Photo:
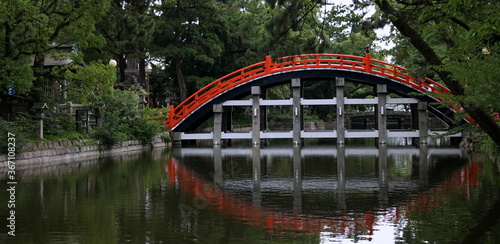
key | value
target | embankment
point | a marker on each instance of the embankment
(49, 152)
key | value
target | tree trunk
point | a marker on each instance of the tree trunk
(38, 68)
(142, 73)
(122, 66)
(180, 79)
(7, 47)
(482, 117)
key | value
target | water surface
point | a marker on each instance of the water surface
(273, 194)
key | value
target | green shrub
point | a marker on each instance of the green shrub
(125, 118)
(69, 135)
(148, 125)
(20, 137)
(59, 124)
(166, 137)
(26, 124)
(108, 137)
(112, 129)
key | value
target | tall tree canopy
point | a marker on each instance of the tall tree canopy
(197, 41)
(31, 30)
(127, 28)
(459, 40)
(187, 30)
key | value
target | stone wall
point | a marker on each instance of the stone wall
(48, 152)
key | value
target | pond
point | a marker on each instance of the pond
(260, 194)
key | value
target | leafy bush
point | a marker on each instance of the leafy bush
(20, 137)
(59, 124)
(148, 125)
(86, 82)
(26, 124)
(111, 130)
(125, 118)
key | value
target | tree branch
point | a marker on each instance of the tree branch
(460, 23)
(482, 118)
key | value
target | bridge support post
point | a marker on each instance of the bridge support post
(381, 115)
(256, 115)
(340, 83)
(218, 110)
(297, 111)
(222, 122)
(422, 122)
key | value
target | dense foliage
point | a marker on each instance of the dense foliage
(459, 42)
(125, 118)
(31, 30)
(190, 43)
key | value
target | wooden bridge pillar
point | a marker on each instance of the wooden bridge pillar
(222, 122)
(218, 110)
(419, 122)
(339, 83)
(298, 123)
(422, 122)
(256, 91)
(382, 114)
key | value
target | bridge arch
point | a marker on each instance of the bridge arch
(198, 107)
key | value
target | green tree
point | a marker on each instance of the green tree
(28, 27)
(125, 118)
(127, 28)
(96, 79)
(186, 30)
(202, 41)
(16, 29)
(295, 28)
(451, 35)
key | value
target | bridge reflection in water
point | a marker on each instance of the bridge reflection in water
(237, 194)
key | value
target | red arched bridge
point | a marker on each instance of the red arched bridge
(208, 101)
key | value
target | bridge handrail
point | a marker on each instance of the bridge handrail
(297, 62)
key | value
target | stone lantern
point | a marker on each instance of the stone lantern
(40, 109)
(97, 113)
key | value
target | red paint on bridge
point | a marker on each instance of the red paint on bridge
(301, 62)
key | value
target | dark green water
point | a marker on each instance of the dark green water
(275, 194)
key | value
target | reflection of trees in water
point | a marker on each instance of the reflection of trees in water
(140, 196)
(80, 166)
